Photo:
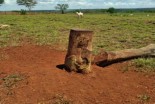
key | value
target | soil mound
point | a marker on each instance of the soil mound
(32, 75)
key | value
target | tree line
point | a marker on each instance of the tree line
(62, 7)
(31, 3)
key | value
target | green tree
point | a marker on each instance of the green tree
(111, 10)
(1, 2)
(28, 3)
(62, 7)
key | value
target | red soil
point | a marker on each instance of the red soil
(45, 81)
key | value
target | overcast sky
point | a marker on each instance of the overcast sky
(82, 4)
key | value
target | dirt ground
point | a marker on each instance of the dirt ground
(42, 81)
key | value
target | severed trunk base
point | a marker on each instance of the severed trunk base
(79, 53)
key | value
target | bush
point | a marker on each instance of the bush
(23, 12)
(111, 10)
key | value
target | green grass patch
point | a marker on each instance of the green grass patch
(112, 32)
(61, 99)
(144, 98)
(11, 80)
(144, 64)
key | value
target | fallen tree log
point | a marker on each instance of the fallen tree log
(106, 58)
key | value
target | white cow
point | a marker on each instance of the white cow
(80, 14)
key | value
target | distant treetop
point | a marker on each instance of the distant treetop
(28, 3)
(111, 10)
(62, 7)
(1, 2)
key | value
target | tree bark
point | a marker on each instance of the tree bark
(79, 53)
(105, 58)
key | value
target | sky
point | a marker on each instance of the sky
(81, 4)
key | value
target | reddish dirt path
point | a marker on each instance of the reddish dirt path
(45, 81)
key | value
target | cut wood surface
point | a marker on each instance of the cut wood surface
(105, 58)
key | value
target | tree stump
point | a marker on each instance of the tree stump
(79, 53)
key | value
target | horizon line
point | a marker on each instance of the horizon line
(80, 9)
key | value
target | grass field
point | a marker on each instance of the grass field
(112, 32)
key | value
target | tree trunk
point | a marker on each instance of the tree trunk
(105, 58)
(79, 53)
(62, 11)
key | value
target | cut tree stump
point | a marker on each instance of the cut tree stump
(105, 58)
(79, 53)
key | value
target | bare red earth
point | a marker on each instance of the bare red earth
(45, 81)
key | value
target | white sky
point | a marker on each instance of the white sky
(81, 4)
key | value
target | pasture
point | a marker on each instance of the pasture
(34, 45)
(112, 32)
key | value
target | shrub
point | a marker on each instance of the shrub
(23, 12)
(111, 10)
